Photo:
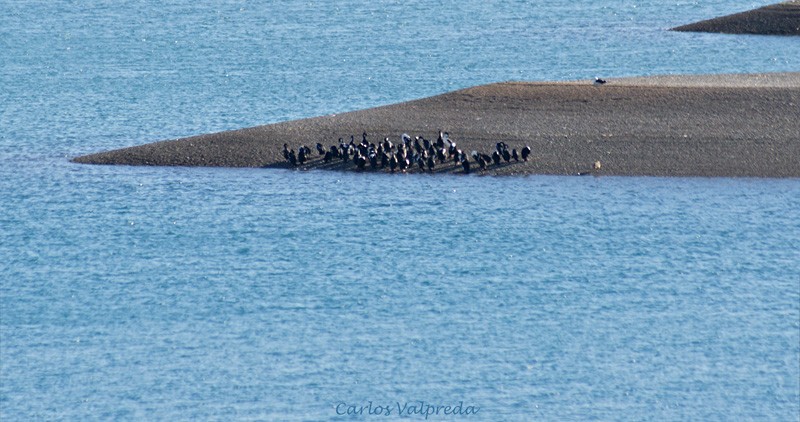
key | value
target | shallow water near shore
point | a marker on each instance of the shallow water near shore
(205, 293)
(192, 293)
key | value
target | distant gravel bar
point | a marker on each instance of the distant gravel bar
(777, 19)
(741, 125)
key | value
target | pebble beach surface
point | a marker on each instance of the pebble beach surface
(740, 125)
(776, 19)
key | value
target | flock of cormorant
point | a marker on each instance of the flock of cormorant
(407, 153)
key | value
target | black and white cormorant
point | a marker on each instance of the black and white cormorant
(526, 152)
(496, 157)
(373, 160)
(481, 162)
(361, 161)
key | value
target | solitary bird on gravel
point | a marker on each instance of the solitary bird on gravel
(598, 82)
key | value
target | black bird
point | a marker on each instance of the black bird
(402, 161)
(286, 151)
(506, 155)
(440, 155)
(393, 163)
(345, 153)
(384, 159)
(432, 151)
(361, 161)
(526, 152)
(426, 143)
(373, 160)
(292, 158)
(417, 146)
(451, 150)
(481, 162)
(334, 151)
(328, 157)
(496, 157)
(421, 163)
(431, 164)
(500, 146)
(320, 149)
(465, 164)
(514, 155)
(301, 155)
(598, 81)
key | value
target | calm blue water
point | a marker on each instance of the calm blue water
(197, 294)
